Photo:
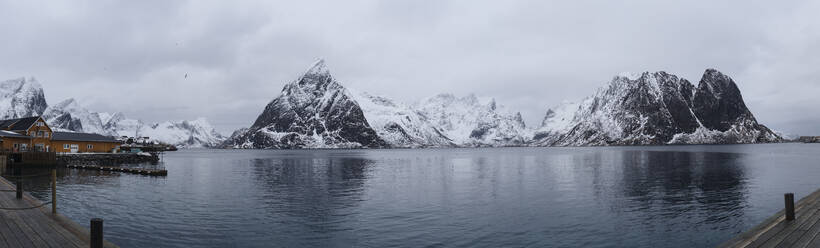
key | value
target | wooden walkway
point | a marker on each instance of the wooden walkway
(803, 231)
(35, 227)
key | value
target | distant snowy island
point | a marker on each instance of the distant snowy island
(316, 111)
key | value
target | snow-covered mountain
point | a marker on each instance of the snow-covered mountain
(315, 111)
(69, 115)
(196, 133)
(398, 124)
(470, 121)
(120, 125)
(22, 97)
(655, 108)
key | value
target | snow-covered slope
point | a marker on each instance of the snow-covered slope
(196, 133)
(315, 111)
(119, 125)
(398, 124)
(655, 108)
(20, 98)
(69, 115)
(470, 121)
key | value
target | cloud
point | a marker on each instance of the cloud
(131, 56)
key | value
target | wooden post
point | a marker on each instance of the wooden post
(54, 191)
(96, 233)
(789, 198)
(18, 171)
(19, 188)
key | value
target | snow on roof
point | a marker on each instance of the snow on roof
(4, 133)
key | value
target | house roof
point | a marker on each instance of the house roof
(18, 124)
(10, 134)
(68, 136)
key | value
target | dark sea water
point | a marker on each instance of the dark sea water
(670, 196)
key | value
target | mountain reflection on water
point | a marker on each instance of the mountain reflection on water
(671, 196)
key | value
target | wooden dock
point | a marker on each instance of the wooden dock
(776, 231)
(36, 227)
(148, 172)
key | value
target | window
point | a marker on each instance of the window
(89, 146)
(65, 146)
(41, 134)
(40, 124)
(24, 147)
(16, 146)
(47, 134)
(75, 146)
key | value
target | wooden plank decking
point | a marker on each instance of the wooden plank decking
(776, 231)
(36, 227)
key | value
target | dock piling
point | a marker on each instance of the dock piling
(96, 233)
(19, 173)
(19, 188)
(54, 191)
(789, 199)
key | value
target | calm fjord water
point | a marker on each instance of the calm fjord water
(670, 196)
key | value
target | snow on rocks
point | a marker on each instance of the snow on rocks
(656, 108)
(22, 97)
(314, 111)
(471, 121)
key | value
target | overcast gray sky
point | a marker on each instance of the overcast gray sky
(131, 56)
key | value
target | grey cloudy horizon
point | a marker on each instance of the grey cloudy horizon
(132, 56)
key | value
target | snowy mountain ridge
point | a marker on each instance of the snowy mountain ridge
(24, 97)
(653, 109)
(317, 111)
(68, 115)
(399, 124)
(314, 111)
(21, 97)
(471, 121)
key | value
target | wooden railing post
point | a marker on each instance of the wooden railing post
(19, 188)
(54, 191)
(96, 233)
(789, 199)
(19, 173)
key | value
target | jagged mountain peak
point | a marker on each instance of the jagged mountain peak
(69, 115)
(318, 67)
(656, 108)
(21, 97)
(186, 133)
(719, 102)
(312, 84)
(655, 80)
(318, 74)
(473, 121)
(717, 83)
(313, 111)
